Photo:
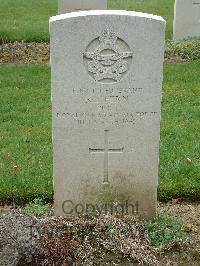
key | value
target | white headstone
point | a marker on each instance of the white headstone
(106, 101)
(186, 19)
(65, 6)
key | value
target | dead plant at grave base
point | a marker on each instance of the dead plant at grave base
(86, 240)
(58, 241)
(54, 250)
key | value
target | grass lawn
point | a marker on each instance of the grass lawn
(28, 19)
(25, 133)
(180, 127)
(164, 8)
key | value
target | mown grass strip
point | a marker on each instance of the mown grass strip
(25, 133)
(28, 20)
(180, 127)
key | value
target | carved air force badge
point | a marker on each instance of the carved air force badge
(108, 58)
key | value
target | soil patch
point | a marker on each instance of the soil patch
(24, 53)
(23, 235)
(189, 215)
(39, 53)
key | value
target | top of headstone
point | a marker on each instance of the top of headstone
(105, 12)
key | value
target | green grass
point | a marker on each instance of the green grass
(28, 19)
(164, 8)
(25, 133)
(163, 230)
(180, 129)
(37, 206)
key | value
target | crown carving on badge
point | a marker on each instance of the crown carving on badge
(108, 36)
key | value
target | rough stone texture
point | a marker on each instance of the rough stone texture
(186, 19)
(46, 240)
(106, 101)
(17, 237)
(65, 6)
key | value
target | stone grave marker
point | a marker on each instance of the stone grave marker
(186, 19)
(106, 71)
(65, 6)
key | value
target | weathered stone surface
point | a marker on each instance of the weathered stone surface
(186, 19)
(106, 102)
(18, 233)
(65, 6)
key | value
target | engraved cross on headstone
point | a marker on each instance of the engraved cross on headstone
(196, 3)
(106, 152)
